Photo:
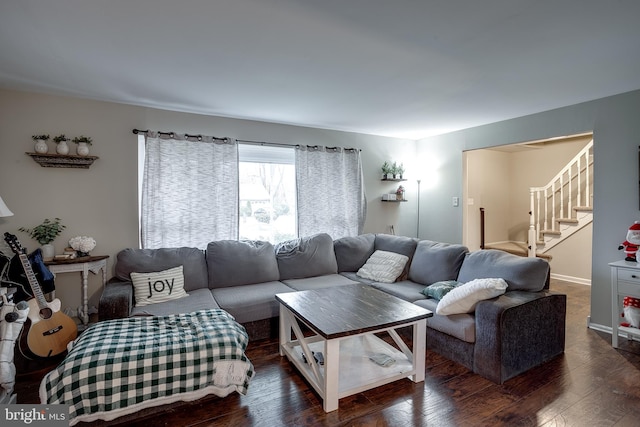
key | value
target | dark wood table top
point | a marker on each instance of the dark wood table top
(76, 260)
(350, 309)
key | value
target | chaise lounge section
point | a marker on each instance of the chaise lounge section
(500, 338)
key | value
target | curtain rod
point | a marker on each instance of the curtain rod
(245, 141)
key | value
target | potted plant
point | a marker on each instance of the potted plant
(386, 170)
(83, 144)
(45, 234)
(394, 170)
(61, 144)
(400, 170)
(41, 143)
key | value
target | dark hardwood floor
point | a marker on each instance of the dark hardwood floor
(592, 384)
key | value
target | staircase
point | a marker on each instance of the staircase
(563, 206)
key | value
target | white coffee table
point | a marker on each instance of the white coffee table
(343, 321)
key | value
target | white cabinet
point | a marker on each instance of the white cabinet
(625, 281)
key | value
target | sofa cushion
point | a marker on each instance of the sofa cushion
(406, 289)
(383, 266)
(151, 260)
(306, 257)
(434, 262)
(461, 326)
(197, 299)
(249, 303)
(318, 282)
(243, 262)
(438, 290)
(521, 274)
(398, 244)
(353, 251)
(464, 298)
(161, 286)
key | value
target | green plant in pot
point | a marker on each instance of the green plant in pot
(386, 169)
(45, 234)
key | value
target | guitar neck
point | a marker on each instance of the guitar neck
(33, 281)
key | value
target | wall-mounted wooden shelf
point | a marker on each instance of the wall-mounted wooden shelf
(393, 179)
(47, 160)
(396, 201)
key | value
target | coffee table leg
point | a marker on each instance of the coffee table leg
(331, 374)
(285, 329)
(419, 349)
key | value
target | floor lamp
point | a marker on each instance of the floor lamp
(418, 222)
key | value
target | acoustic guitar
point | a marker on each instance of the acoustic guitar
(48, 329)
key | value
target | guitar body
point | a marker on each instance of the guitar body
(48, 329)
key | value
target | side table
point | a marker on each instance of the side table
(625, 281)
(84, 265)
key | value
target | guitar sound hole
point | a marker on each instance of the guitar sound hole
(46, 313)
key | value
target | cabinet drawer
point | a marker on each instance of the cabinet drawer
(629, 275)
(629, 288)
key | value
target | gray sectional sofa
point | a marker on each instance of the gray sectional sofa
(504, 337)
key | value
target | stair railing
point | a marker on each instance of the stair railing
(570, 188)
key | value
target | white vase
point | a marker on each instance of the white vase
(62, 148)
(83, 149)
(41, 146)
(48, 251)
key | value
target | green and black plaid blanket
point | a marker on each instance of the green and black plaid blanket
(120, 366)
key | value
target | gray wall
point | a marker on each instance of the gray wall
(614, 122)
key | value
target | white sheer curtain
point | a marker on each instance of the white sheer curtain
(331, 196)
(189, 191)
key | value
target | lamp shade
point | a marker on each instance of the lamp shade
(4, 210)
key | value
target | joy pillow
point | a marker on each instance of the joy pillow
(162, 286)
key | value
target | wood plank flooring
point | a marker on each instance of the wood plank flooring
(592, 384)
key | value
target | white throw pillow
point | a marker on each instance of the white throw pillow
(464, 298)
(152, 288)
(383, 266)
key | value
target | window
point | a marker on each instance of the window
(267, 183)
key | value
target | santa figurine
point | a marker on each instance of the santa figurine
(631, 312)
(632, 243)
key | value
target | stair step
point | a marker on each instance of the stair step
(515, 248)
(583, 208)
(552, 232)
(567, 220)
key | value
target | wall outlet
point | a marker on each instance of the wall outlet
(456, 202)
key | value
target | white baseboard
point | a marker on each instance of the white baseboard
(608, 330)
(578, 280)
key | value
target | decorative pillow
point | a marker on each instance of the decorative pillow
(438, 290)
(383, 266)
(464, 298)
(152, 288)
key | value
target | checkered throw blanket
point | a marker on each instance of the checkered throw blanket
(120, 366)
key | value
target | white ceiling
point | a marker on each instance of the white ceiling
(400, 68)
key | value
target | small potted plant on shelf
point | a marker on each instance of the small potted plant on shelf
(386, 170)
(83, 144)
(61, 144)
(400, 170)
(394, 169)
(40, 146)
(45, 234)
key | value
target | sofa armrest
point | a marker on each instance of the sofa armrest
(116, 300)
(518, 331)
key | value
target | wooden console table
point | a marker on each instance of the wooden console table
(84, 265)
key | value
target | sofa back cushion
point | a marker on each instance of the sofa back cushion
(243, 262)
(520, 273)
(436, 262)
(399, 244)
(154, 260)
(353, 252)
(306, 257)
